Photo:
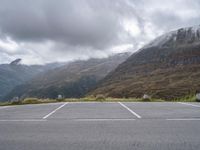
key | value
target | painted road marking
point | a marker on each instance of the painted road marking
(189, 104)
(23, 120)
(103, 119)
(184, 119)
(3, 107)
(131, 111)
(51, 113)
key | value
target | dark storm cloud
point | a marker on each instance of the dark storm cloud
(79, 22)
(71, 29)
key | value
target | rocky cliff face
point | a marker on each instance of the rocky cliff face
(168, 67)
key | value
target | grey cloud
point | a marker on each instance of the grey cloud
(86, 28)
(79, 22)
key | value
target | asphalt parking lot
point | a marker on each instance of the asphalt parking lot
(101, 126)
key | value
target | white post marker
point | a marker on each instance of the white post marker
(131, 111)
(45, 117)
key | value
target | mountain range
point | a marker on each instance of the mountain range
(168, 68)
(74, 79)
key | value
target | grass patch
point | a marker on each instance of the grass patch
(31, 101)
(189, 98)
(111, 99)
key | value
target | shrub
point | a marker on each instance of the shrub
(31, 101)
(89, 98)
(100, 97)
(16, 103)
(60, 100)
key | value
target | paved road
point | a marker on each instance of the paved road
(101, 126)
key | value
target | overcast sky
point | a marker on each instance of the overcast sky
(43, 31)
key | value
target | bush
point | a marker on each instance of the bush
(16, 103)
(31, 101)
(60, 100)
(100, 97)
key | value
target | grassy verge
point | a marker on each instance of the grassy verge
(94, 99)
(110, 99)
(29, 101)
(189, 98)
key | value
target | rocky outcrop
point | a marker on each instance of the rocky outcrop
(16, 62)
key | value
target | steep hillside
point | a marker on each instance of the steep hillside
(14, 74)
(72, 80)
(168, 67)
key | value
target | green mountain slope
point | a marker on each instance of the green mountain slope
(168, 67)
(72, 80)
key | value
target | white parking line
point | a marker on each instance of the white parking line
(104, 119)
(45, 117)
(184, 119)
(3, 107)
(92, 102)
(23, 120)
(131, 111)
(189, 104)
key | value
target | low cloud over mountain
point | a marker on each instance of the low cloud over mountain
(42, 31)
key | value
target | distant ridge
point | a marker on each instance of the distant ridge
(14, 74)
(168, 67)
(74, 79)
